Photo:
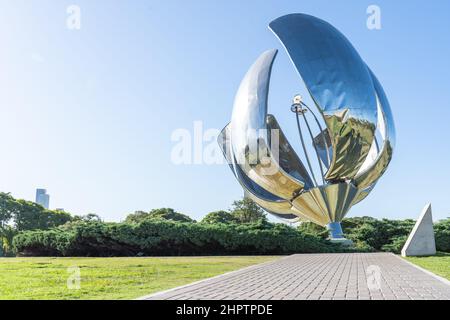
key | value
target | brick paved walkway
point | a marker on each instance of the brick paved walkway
(319, 276)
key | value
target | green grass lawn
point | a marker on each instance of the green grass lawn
(108, 278)
(439, 264)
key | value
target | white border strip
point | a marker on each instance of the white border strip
(441, 279)
(154, 295)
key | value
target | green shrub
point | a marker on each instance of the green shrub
(370, 234)
(219, 217)
(396, 245)
(375, 233)
(442, 231)
(313, 229)
(159, 237)
(151, 236)
(162, 213)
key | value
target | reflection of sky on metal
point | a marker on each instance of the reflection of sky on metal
(250, 108)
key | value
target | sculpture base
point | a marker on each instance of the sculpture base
(337, 236)
(335, 230)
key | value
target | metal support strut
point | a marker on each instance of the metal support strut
(297, 109)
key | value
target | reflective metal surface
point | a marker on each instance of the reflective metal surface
(288, 159)
(281, 208)
(251, 141)
(323, 146)
(335, 230)
(326, 204)
(339, 84)
(387, 128)
(352, 105)
(247, 184)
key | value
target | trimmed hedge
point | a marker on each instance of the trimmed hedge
(369, 234)
(442, 231)
(391, 235)
(378, 235)
(167, 238)
(157, 237)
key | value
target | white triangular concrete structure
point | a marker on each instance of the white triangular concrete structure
(421, 241)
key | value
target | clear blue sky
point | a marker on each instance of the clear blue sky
(89, 114)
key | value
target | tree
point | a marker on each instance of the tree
(20, 215)
(6, 213)
(247, 211)
(137, 216)
(219, 217)
(7, 208)
(442, 230)
(32, 216)
(7, 234)
(377, 234)
(163, 213)
(90, 217)
(27, 215)
(314, 229)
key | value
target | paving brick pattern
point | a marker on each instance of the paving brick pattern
(351, 276)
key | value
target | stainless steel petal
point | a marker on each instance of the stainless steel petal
(339, 84)
(247, 184)
(288, 159)
(274, 205)
(224, 144)
(248, 120)
(250, 138)
(362, 194)
(339, 198)
(322, 141)
(371, 175)
(326, 204)
(371, 157)
(308, 206)
(280, 209)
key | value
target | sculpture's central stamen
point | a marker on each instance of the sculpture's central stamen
(297, 105)
(300, 108)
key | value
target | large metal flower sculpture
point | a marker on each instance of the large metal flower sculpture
(356, 133)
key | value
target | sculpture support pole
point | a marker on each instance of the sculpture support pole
(336, 234)
(335, 230)
(304, 147)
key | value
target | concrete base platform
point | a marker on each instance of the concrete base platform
(353, 276)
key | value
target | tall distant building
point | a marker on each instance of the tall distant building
(42, 198)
